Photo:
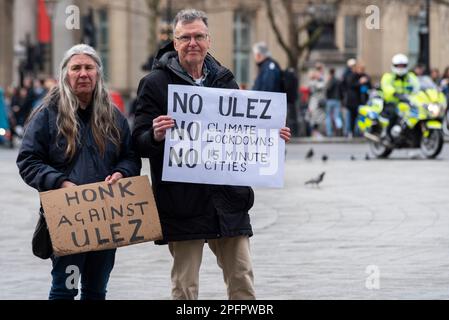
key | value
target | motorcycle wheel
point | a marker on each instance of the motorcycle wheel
(379, 150)
(432, 145)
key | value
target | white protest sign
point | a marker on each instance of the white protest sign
(225, 136)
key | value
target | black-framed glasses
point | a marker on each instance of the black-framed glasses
(198, 38)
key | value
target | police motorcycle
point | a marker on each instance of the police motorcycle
(419, 124)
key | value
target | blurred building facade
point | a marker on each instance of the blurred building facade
(6, 42)
(121, 32)
(351, 33)
(117, 29)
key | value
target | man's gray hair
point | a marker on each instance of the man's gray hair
(188, 16)
(262, 49)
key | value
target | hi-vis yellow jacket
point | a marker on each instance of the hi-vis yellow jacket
(391, 84)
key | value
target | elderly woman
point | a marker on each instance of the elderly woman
(76, 137)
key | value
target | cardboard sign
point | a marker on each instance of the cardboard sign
(99, 216)
(225, 136)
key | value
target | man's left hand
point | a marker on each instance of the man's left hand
(285, 134)
(111, 179)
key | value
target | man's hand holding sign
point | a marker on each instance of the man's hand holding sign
(160, 126)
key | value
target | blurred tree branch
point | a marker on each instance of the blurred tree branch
(443, 2)
(154, 12)
(292, 44)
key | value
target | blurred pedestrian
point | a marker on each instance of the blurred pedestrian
(435, 75)
(365, 83)
(444, 82)
(8, 95)
(165, 36)
(4, 121)
(334, 96)
(40, 91)
(419, 70)
(269, 76)
(424, 78)
(347, 74)
(317, 101)
(21, 106)
(358, 85)
(77, 137)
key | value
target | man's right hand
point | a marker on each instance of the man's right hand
(160, 125)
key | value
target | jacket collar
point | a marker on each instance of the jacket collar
(264, 61)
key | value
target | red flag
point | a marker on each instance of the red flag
(43, 23)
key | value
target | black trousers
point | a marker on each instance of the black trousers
(390, 112)
(354, 112)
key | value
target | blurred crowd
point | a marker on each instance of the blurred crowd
(329, 103)
(16, 103)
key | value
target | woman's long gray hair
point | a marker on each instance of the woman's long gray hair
(103, 119)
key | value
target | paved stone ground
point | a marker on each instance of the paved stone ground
(310, 243)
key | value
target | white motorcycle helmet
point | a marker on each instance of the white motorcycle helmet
(399, 64)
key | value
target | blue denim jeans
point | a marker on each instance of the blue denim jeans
(333, 111)
(94, 269)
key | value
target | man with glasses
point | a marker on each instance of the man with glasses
(396, 86)
(193, 214)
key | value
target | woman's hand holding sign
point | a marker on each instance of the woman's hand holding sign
(67, 184)
(111, 179)
(160, 125)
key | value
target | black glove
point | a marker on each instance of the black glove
(402, 97)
